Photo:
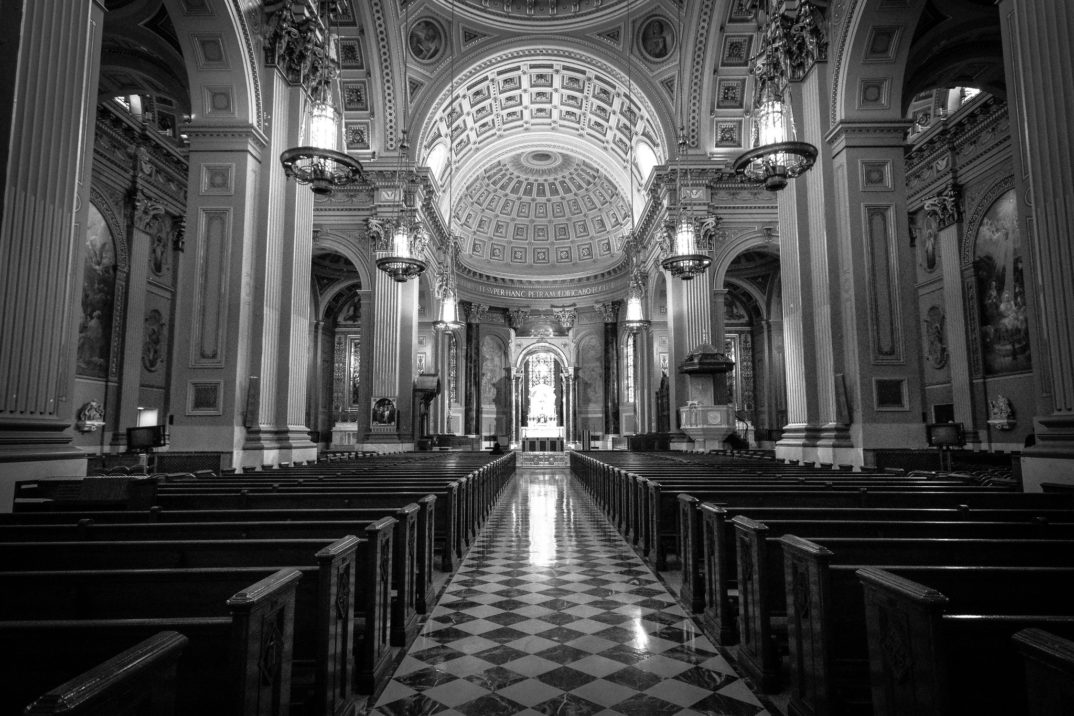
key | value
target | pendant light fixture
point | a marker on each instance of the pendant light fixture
(776, 156)
(319, 163)
(636, 318)
(686, 237)
(446, 287)
(401, 241)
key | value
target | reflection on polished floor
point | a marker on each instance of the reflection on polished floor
(552, 613)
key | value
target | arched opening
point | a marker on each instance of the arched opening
(338, 377)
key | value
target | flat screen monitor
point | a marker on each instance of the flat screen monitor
(145, 437)
(945, 435)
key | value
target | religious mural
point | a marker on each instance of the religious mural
(590, 374)
(998, 268)
(98, 298)
(495, 389)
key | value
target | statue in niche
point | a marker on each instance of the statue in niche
(935, 337)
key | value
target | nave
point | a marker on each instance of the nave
(552, 612)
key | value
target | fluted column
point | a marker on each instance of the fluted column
(472, 391)
(516, 415)
(817, 426)
(392, 355)
(643, 372)
(1041, 90)
(689, 326)
(610, 312)
(281, 287)
(50, 51)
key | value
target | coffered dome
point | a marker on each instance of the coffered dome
(541, 211)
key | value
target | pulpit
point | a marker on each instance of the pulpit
(707, 418)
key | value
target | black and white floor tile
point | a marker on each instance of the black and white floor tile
(552, 613)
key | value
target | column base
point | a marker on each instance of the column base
(1052, 458)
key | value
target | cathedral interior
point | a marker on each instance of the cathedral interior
(167, 262)
(537, 357)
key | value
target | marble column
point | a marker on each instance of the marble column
(689, 326)
(394, 326)
(1041, 93)
(50, 52)
(281, 289)
(610, 312)
(472, 391)
(816, 428)
(643, 372)
(516, 409)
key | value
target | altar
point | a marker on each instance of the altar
(542, 438)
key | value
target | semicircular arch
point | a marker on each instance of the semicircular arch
(762, 239)
(221, 62)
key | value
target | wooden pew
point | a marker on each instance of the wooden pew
(373, 566)
(945, 646)
(323, 660)
(237, 664)
(137, 681)
(446, 530)
(295, 522)
(710, 562)
(1049, 671)
(765, 558)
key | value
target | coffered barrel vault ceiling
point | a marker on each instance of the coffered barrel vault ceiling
(542, 150)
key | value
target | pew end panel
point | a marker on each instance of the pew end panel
(424, 596)
(263, 630)
(373, 654)
(720, 575)
(690, 554)
(756, 650)
(404, 558)
(1049, 670)
(903, 620)
(140, 680)
(336, 626)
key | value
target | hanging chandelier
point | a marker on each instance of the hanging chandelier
(685, 243)
(448, 319)
(687, 240)
(398, 244)
(636, 318)
(319, 163)
(776, 156)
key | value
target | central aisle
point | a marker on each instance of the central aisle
(552, 613)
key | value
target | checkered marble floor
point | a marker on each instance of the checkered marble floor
(552, 613)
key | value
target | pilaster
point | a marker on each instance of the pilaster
(955, 312)
(879, 329)
(215, 393)
(48, 149)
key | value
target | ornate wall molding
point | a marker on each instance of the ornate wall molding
(945, 206)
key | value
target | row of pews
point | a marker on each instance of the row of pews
(860, 592)
(274, 593)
